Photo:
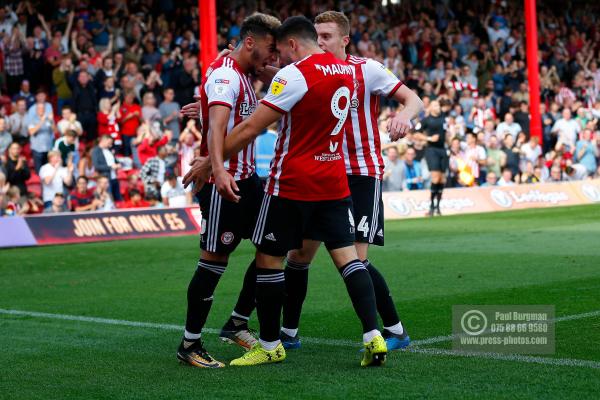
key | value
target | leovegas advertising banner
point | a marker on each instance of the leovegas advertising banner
(116, 225)
(412, 204)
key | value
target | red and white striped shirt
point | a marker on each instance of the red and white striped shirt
(227, 85)
(314, 96)
(362, 147)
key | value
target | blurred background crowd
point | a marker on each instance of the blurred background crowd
(90, 94)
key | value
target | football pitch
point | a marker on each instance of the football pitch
(103, 321)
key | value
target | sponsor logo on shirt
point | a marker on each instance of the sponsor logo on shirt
(246, 109)
(277, 86)
(223, 81)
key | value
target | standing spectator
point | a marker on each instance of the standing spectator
(495, 157)
(393, 175)
(14, 46)
(66, 145)
(414, 177)
(586, 151)
(153, 172)
(512, 156)
(172, 192)
(5, 136)
(60, 78)
(149, 142)
(54, 178)
(107, 123)
(85, 167)
(475, 156)
(82, 198)
(85, 104)
(530, 152)
(566, 129)
(186, 81)
(508, 126)
(150, 113)
(17, 171)
(106, 165)
(129, 121)
(169, 111)
(69, 122)
(40, 98)
(25, 93)
(522, 116)
(41, 130)
(18, 123)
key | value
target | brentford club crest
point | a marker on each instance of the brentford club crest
(227, 238)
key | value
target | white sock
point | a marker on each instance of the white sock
(191, 336)
(269, 345)
(398, 329)
(239, 316)
(290, 332)
(368, 336)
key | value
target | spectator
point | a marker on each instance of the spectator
(530, 152)
(5, 136)
(153, 172)
(186, 81)
(40, 99)
(172, 192)
(66, 145)
(150, 113)
(14, 47)
(149, 141)
(509, 126)
(566, 129)
(133, 182)
(393, 175)
(102, 195)
(107, 123)
(496, 158)
(507, 178)
(512, 155)
(41, 130)
(85, 104)
(135, 200)
(106, 165)
(60, 78)
(13, 204)
(17, 171)
(475, 156)
(57, 205)
(69, 122)
(576, 172)
(491, 179)
(54, 178)
(586, 152)
(18, 123)
(85, 166)
(265, 150)
(129, 121)
(82, 198)
(555, 174)
(414, 178)
(169, 111)
(25, 93)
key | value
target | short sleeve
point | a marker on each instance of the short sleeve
(287, 88)
(222, 87)
(380, 80)
(45, 171)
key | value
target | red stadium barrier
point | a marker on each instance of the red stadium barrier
(46, 229)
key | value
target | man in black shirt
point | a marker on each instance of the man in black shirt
(85, 104)
(17, 171)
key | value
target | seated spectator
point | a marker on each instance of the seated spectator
(102, 195)
(4, 187)
(491, 179)
(57, 205)
(82, 198)
(106, 165)
(133, 182)
(17, 170)
(413, 178)
(153, 172)
(169, 112)
(148, 142)
(135, 200)
(172, 192)
(393, 175)
(18, 123)
(85, 166)
(33, 205)
(55, 177)
(153, 201)
(529, 175)
(575, 172)
(507, 178)
(13, 204)
(5, 136)
(66, 145)
(555, 174)
(41, 131)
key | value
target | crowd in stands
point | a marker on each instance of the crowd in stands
(90, 94)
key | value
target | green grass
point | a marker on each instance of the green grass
(529, 257)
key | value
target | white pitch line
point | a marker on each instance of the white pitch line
(341, 342)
